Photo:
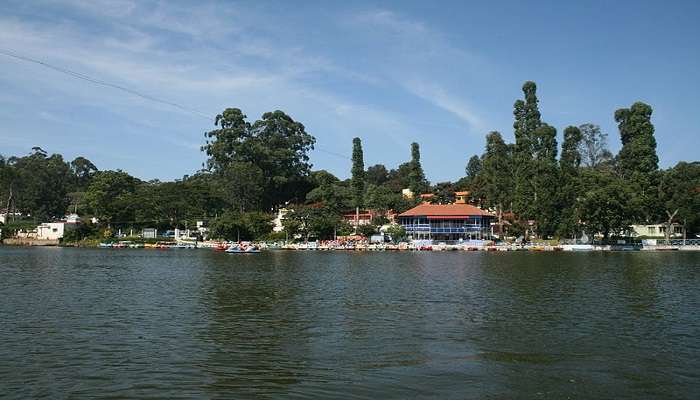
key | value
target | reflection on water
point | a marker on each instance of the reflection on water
(198, 324)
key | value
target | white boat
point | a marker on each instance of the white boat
(236, 249)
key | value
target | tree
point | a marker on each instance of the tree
(110, 196)
(396, 233)
(637, 160)
(473, 167)
(443, 193)
(312, 222)
(417, 181)
(39, 184)
(545, 180)
(383, 198)
(594, 146)
(400, 178)
(569, 164)
(358, 173)
(243, 185)
(366, 230)
(276, 144)
(228, 143)
(376, 175)
(495, 175)
(679, 193)
(527, 120)
(608, 204)
(332, 194)
(83, 170)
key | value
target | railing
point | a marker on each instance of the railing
(679, 242)
(428, 228)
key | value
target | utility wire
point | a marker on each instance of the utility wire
(101, 82)
(97, 81)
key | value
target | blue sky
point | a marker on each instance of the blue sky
(389, 72)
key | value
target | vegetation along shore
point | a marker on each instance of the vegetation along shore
(258, 184)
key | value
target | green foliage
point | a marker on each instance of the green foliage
(528, 142)
(233, 225)
(495, 177)
(637, 159)
(377, 175)
(679, 194)
(83, 171)
(366, 230)
(417, 181)
(383, 198)
(331, 194)
(37, 184)
(594, 146)
(396, 232)
(276, 145)
(443, 193)
(80, 232)
(110, 196)
(545, 180)
(313, 222)
(473, 167)
(608, 204)
(358, 173)
(242, 184)
(569, 184)
(380, 220)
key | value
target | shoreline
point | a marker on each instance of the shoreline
(401, 247)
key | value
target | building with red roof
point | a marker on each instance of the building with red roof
(446, 222)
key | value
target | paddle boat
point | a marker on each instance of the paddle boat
(243, 249)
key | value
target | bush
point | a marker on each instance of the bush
(366, 230)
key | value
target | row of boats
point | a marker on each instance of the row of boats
(235, 248)
(158, 245)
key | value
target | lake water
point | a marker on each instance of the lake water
(82, 323)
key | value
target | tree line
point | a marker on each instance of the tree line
(586, 188)
(254, 168)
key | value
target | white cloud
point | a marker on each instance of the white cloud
(440, 98)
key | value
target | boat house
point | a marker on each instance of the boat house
(446, 222)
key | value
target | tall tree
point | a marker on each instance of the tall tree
(637, 160)
(358, 173)
(569, 164)
(275, 144)
(594, 146)
(545, 180)
(418, 182)
(527, 121)
(496, 177)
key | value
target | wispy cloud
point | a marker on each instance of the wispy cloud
(439, 97)
(418, 59)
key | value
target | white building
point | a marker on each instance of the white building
(657, 230)
(278, 222)
(56, 230)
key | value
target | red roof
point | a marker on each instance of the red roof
(452, 210)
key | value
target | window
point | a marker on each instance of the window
(652, 230)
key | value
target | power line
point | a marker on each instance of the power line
(97, 81)
(101, 82)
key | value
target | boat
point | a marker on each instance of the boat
(239, 249)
